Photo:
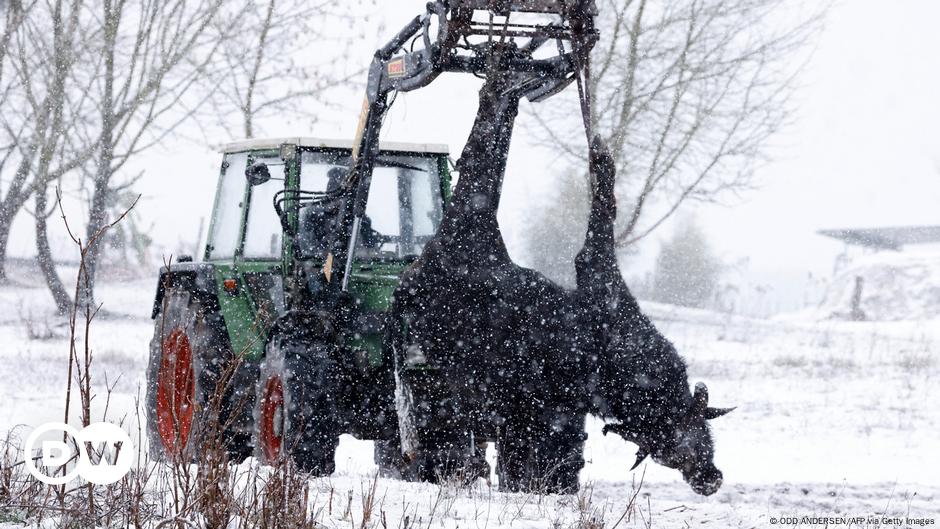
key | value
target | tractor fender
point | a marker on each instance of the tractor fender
(196, 278)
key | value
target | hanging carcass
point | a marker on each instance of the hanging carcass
(486, 349)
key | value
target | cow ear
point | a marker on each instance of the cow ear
(700, 397)
(714, 413)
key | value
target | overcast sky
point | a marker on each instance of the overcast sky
(863, 150)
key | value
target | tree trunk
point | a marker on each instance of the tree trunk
(249, 126)
(52, 110)
(249, 108)
(45, 260)
(96, 220)
(98, 213)
(17, 193)
(5, 225)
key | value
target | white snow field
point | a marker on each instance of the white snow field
(834, 419)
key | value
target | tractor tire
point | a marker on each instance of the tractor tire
(188, 352)
(542, 456)
(295, 412)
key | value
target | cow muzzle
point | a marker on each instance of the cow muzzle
(705, 481)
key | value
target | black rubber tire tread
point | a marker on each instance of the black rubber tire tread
(210, 350)
(311, 424)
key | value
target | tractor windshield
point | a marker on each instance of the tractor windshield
(403, 210)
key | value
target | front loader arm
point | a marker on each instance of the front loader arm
(387, 73)
(452, 51)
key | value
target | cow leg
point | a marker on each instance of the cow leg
(442, 301)
(435, 429)
(434, 442)
(541, 452)
(596, 263)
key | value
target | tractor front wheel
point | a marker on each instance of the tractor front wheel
(295, 411)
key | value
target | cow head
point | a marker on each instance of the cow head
(682, 442)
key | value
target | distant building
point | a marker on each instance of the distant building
(881, 285)
(886, 238)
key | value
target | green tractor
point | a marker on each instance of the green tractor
(264, 226)
(307, 242)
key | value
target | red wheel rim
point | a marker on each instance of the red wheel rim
(272, 418)
(176, 391)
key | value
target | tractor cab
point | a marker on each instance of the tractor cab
(252, 247)
(405, 204)
(225, 306)
(404, 207)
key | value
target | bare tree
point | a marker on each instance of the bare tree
(564, 211)
(34, 103)
(686, 93)
(96, 83)
(284, 57)
(43, 61)
(100, 82)
(15, 123)
(687, 272)
(150, 57)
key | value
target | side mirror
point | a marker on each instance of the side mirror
(257, 173)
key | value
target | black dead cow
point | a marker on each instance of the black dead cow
(486, 348)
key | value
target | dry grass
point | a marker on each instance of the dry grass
(211, 493)
(790, 361)
(916, 360)
(197, 487)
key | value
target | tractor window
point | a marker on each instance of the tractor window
(263, 230)
(403, 210)
(404, 207)
(319, 171)
(315, 168)
(228, 208)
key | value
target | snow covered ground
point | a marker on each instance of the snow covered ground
(833, 419)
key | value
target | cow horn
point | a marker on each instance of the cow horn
(622, 431)
(618, 429)
(640, 456)
(714, 413)
(700, 397)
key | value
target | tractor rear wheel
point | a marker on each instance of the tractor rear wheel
(295, 411)
(188, 353)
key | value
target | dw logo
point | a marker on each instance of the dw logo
(105, 453)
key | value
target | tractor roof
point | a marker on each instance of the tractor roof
(274, 143)
(886, 238)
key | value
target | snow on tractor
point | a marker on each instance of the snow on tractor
(344, 290)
